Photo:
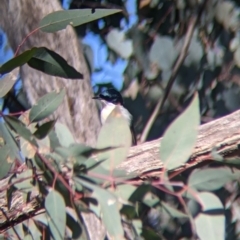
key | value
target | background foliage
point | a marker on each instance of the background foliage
(135, 51)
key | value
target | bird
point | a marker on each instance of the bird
(110, 98)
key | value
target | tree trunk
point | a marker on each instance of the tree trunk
(78, 111)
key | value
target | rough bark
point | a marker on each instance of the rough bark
(223, 135)
(78, 111)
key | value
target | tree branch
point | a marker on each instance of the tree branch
(222, 134)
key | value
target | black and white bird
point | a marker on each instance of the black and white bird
(111, 98)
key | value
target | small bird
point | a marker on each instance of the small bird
(110, 98)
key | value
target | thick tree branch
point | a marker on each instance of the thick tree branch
(222, 134)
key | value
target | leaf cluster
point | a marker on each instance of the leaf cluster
(72, 178)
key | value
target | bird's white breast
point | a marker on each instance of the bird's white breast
(108, 108)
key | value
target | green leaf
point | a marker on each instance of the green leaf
(173, 211)
(7, 82)
(212, 178)
(17, 233)
(32, 228)
(20, 129)
(59, 20)
(25, 185)
(210, 226)
(46, 105)
(29, 237)
(51, 63)
(5, 161)
(55, 207)
(17, 61)
(180, 137)
(6, 136)
(124, 191)
(109, 209)
(44, 129)
(64, 136)
(114, 133)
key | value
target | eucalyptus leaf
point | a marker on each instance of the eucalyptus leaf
(6, 134)
(33, 229)
(20, 129)
(46, 105)
(17, 61)
(59, 20)
(55, 207)
(109, 209)
(64, 136)
(212, 178)
(7, 82)
(5, 160)
(26, 184)
(210, 226)
(172, 211)
(51, 63)
(44, 129)
(114, 133)
(180, 137)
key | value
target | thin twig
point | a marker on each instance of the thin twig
(181, 57)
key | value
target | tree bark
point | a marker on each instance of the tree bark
(78, 111)
(222, 135)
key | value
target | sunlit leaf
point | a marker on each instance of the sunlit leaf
(5, 160)
(180, 137)
(114, 133)
(60, 19)
(7, 82)
(55, 207)
(46, 105)
(210, 226)
(64, 136)
(20, 129)
(212, 178)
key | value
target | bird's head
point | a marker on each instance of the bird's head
(110, 96)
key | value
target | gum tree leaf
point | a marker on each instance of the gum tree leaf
(25, 185)
(114, 133)
(20, 129)
(64, 136)
(51, 63)
(32, 228)
(6, 134)
(17, 61)
(46, 105)
(7, 82)
(5, 161)
(212, 178)
(210, 226)
(172, 211)
(55, 207)
(180, 137)
(59, 20)
(44, 129)
(109, 209)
